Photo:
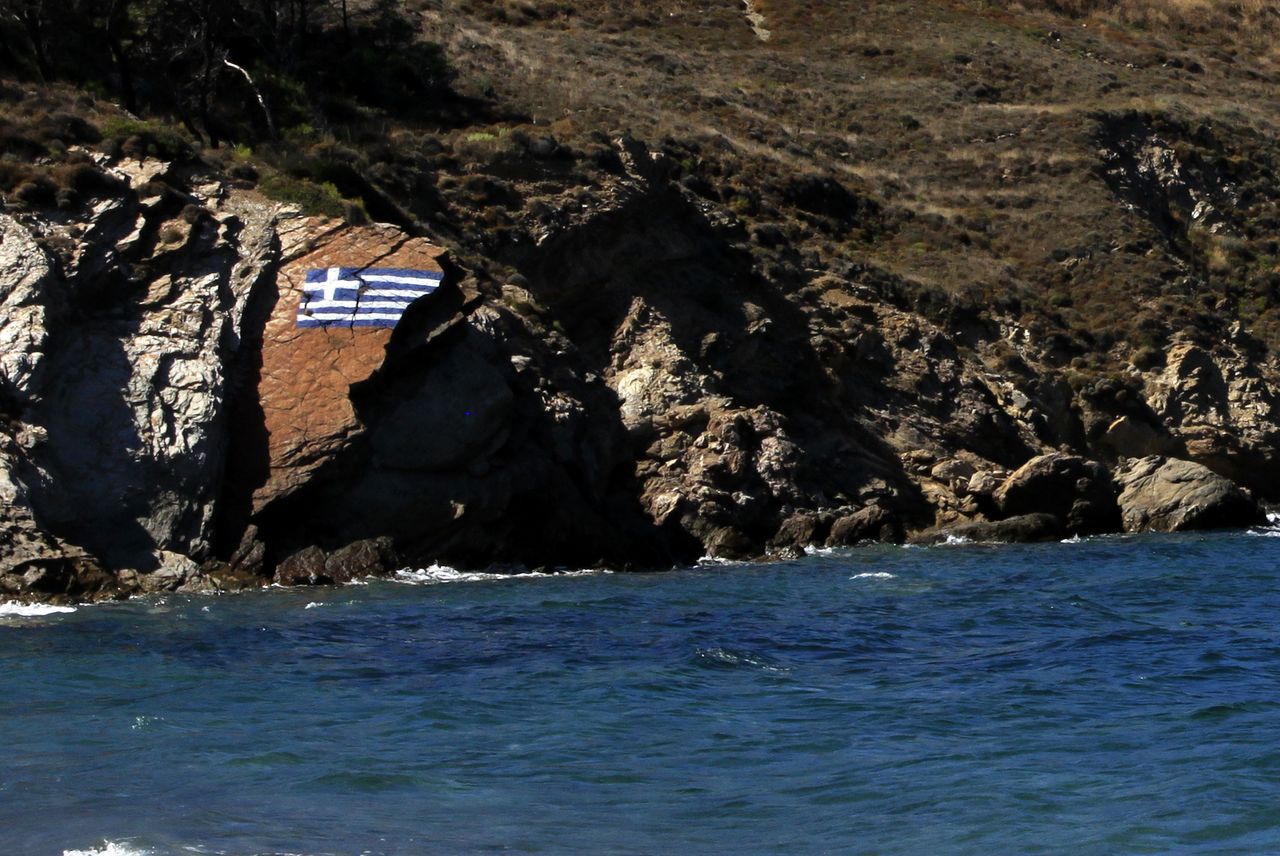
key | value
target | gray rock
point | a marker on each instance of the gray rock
(26, 282)
(136, 432)
(1168, 495)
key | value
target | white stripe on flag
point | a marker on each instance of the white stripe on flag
(399, 279)
(347, 316)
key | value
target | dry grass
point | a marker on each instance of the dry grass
(1230, 18)
(972, 125)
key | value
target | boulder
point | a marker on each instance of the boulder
(1025, 528)
(866, 524)
(359, 560)
(802, 529)
(1078, 492)
(1169, 495)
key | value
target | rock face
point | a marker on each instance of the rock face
(307, 372)
(1223, 410)
(121, 377)
(1077, 492)
(1167, 495)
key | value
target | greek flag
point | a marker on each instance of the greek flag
(361, 297)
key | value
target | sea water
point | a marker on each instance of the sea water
(1113, 695)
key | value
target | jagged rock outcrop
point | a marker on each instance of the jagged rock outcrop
(638, 389)
(1168, 495)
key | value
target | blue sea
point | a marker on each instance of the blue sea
(1110, 696)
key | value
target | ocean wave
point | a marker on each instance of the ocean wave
(29, 610)
(874, 575)
(436, 574)
(109, 848)
(723, 657)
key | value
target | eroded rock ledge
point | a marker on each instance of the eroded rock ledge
(639, 395)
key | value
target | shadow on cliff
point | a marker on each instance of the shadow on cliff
(97, 483)
(735, 331)
(462, 461)
(248, 459)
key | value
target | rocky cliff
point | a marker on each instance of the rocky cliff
(648, 347)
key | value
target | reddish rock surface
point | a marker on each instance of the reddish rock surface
(307, 373)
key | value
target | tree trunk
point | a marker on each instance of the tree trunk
(262, 102)
(119, 12)
(33, 26)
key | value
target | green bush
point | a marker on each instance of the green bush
(139, 138)
(319, 199)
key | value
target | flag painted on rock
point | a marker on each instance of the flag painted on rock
(362, 297)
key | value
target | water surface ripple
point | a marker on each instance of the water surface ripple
(1118, 695)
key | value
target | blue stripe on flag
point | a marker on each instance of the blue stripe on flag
(369, 273)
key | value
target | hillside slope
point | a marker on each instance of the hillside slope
(725, 278)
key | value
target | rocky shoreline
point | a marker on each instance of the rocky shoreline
(162, 432)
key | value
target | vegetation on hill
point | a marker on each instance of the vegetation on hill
(1098, 175)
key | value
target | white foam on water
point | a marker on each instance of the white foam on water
(954, 540)
(1271, 530)
(874, 575)
(30, 610)
(1074, 539)
(109, 848)
(437, 574)
(315, 604)
(715, 561)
